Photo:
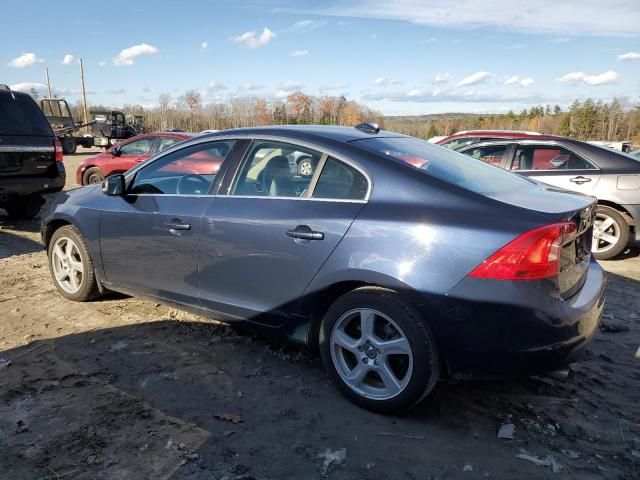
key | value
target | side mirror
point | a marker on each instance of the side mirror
(114, 185)
(115, 151)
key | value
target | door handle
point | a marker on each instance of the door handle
(579, 179)
(303, 232)
(174, 227)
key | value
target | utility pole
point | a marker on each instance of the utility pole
(84, 97)
(46, 71)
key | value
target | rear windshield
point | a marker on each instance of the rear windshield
(19, 115)
(447, 165)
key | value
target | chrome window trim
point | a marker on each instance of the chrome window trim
(25, 148)
(258, 137)
(182, 195)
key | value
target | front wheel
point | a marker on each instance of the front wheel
(610, 233)
(378, 350)
(71, 265)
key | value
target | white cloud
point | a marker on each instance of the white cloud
(462, 96)
(25, 60)
(299, 53)
(304, 26)
(569, 17)
(386, 81)
(629, 56)
(216, 86)
(251, 87)
(126, 56)
(26, 86)
(102, 63)
(334, 86)
(442, 78)
(516, 80)
(68, 59)
(287, 88)
(473, 79)
(119, 91)
(204, 45)
(576, 78)
(250, 39)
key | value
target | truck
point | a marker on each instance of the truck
(58, 113)
(109, 127)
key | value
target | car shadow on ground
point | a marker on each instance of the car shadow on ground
(188, 399)
(12, 244)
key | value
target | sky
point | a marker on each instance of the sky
(401, 57)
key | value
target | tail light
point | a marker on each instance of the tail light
(57, 148)
(533, 255)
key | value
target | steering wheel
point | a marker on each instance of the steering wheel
(198, 185)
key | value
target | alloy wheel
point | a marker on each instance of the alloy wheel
(371, 354)
(66, 261)
(606, 233)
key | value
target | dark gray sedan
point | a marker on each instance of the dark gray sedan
(611, 176)
(403, 261)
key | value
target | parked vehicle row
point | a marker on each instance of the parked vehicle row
(402, 261)
(610, 175)
(30, 155)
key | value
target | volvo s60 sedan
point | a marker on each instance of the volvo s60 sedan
(402, 261)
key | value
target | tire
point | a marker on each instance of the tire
(305, 167)
(616, 228)
(66, 238)
(416, 370)
(92, 175)
(24, 208)
(69, 145)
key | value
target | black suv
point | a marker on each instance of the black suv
(30, 155)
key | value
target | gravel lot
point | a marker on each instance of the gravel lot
(123, 388)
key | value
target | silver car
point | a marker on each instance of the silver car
(611, 176)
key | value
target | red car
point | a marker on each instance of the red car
(125, 155)
(467, 137)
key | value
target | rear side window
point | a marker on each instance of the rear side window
(492, 155)
(341, 182)
(19, 115)
(532, 157)
(452, 167)
(166, 142)
(276, 169)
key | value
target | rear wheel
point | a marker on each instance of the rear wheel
(610, 233)
(378, 350)
(71, 266)
(92, 175)
(24, 208)
(69, 145)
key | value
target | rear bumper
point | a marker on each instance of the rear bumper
(22, 186)
(486, 339)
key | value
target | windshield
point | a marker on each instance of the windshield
(19, 115)
(447, 165)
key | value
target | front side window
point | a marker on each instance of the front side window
(188, 171)
(341, 182)
(276, 169)
(138, 147)
(536, 157)
(492, 155)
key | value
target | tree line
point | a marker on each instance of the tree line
(586, 120)
(616, 120)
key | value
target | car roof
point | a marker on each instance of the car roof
(337, 133)
(501, 134)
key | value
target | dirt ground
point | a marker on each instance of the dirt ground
(123, 388)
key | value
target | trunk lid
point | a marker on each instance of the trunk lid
(558, 205)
